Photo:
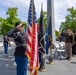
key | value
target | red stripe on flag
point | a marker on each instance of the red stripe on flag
(29, 43)
(29, 33)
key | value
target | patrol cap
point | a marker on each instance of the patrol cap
(17, 23)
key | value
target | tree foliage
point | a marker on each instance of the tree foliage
(9, 22)
(70, 20)
(57, 33)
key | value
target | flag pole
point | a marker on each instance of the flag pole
(42, 64)
(43, 55)
(50, 39)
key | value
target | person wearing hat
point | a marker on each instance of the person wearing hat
(20, 51)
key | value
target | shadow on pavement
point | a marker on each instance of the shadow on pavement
(73, 62)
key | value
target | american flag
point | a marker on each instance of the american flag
(32, 40)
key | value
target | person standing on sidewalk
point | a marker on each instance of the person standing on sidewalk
(20, 51)
(5, 43)
(68, 42)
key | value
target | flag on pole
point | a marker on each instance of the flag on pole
(29, 31)
(50, 26)
(48, 33)
(32, 41)
(49, 41)
(41, 34)
(41, 39)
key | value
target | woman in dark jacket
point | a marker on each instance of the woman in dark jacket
(20, 50)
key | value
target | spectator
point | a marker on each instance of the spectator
(5, 43)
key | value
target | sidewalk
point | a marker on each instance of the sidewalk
(60, 67)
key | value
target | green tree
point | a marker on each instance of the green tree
(12, 16)
(2, 22)
(70, 19)
(9, 22)
(57, 33)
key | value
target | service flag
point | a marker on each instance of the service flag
(32, 40)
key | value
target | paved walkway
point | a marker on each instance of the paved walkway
(61, 67)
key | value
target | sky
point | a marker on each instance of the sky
(60, 8)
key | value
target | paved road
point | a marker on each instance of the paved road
(61, 67)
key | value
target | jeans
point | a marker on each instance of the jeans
(6, 48)
(21, 62)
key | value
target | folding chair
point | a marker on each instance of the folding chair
(59, 50)
(62, 45)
